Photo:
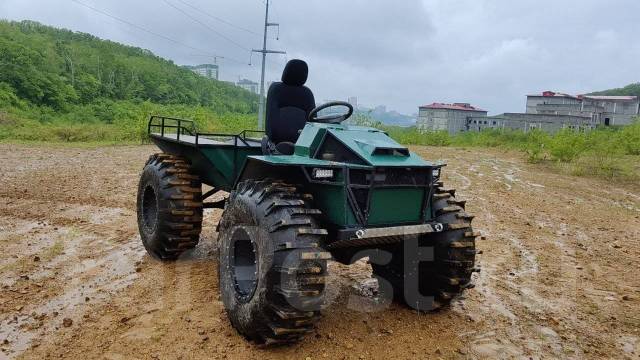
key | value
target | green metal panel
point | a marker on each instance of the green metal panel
(332, 201)
(227, 162)
(362, 140)
(329, 197)
(395, 205)
(309, 140)
(365, 140)
(304, 161)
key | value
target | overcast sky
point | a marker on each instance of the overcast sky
(402, 54)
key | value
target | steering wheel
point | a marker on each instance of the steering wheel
(331, 119)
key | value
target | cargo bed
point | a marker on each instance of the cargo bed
(216, 158)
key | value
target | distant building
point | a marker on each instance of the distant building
(447, 117)
(616, 110)
(550, 102)
(527, 122)
(210, 71)
(549, 111)
(604, 110)
(249, 85)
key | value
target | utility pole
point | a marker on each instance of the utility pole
(264, 52)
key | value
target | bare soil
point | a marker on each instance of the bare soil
(560, 270)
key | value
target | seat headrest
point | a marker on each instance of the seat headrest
(295, 73)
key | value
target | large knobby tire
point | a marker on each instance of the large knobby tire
(271, 267)
(449, 274)
(169, 207)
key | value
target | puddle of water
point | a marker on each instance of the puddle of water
(64, 236)
(93, 279)
(23, 238)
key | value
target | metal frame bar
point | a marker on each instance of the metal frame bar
(362, 215)
(210, 193)
(215, 204)
(181, 129)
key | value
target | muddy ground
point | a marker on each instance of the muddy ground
(560, 270)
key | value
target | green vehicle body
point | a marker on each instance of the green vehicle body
(376, 181)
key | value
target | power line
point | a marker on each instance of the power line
(219, 19)
(138, 27)
(207, 26)
(152, 32)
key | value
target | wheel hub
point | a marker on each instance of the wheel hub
(245, 265)
(149, 209)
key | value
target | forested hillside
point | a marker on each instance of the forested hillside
(60, 81)
(629, 90)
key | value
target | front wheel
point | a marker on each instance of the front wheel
(271, 267)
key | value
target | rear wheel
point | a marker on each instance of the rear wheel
(271, 268)
(169, 206)
(444, 278)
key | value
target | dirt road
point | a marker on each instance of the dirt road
(560, 270)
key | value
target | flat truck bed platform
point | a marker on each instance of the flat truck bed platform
(217, 158)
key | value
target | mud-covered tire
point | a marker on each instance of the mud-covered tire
(277, 298)
(169, 206)
(449, 274)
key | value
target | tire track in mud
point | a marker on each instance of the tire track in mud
(95, 257)
(516, 296)
(491, 303)
(556, 310)
(489, 343)
(466, 182)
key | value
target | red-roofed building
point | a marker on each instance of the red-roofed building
(454, 106)
(447, 117)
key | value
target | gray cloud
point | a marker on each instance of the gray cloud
(399, 53)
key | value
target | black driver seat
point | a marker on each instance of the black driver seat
(288, 106)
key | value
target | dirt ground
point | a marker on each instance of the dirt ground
(560, 270)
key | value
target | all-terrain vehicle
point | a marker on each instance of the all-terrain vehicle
(310, 190)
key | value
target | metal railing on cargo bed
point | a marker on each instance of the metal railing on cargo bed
(182, 130)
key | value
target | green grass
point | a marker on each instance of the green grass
(612, 153)
(124, 123)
